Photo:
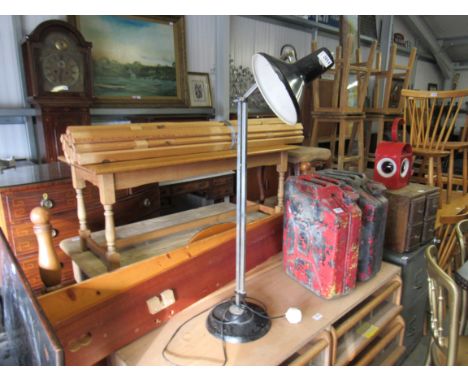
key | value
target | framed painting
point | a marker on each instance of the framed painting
(137, 60)
(199, 89)
(395, 92)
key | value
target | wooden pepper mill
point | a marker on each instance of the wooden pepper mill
(50, 268)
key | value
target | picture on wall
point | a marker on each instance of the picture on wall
(395, 92)
(137, 59)
(199, 89)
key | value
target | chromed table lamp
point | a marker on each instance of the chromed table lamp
(282, 85)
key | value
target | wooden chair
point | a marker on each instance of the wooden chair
(446, 346)
(461, 230)
(384, 101)
(430, 118)
(452, 147)
(344, 106)
(449, 255)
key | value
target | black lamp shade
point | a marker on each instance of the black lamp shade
(282, 84)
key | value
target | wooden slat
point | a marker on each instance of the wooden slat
(160, 152)
(142, 164)
(216, 219)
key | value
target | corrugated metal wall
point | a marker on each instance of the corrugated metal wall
(247, 36)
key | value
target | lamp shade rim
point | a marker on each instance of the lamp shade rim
(282, 78)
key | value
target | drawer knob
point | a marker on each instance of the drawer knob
(54, 232)
(147, 202)
(46, 202)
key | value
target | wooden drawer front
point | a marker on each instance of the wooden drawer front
(138, 206)
(417, 210)
(432, 204)
(165, 192)
(23, 239)
(21, 203)
(222, 180)
(428, 231)
(185, 188)
(31, 269)
(413, 237)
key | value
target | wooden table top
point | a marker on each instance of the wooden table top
(193, 345)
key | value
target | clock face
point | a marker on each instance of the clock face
(60, 69)
(61, 64)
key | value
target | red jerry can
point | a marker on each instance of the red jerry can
(322, 225)
(393, 164)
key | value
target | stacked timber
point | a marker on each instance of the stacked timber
(84, 145)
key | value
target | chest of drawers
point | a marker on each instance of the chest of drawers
(411, 217)
(49, 185)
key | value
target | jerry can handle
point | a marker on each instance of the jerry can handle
(396, 122)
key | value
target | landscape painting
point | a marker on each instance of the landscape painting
(137, 59)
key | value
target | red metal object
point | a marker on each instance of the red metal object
(322, 224)
(393, 161)
(374, 208)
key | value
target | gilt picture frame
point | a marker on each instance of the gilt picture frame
(199, 89)
(137, 60)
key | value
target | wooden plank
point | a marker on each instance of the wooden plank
(92, 334)
(179, 160)
(174, 151)
(134, 144)
(219, 218)
(91, 134)
(162, 125)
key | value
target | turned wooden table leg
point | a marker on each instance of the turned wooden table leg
(282, 167)
(79, 185)
(107, 197)
(81, 212)
(113, 258)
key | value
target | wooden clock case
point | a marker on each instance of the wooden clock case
(56, 110)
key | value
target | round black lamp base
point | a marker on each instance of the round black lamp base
(235, 324)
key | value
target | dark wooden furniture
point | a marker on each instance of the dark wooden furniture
(57, 65)
(49, 185)
(411, 216)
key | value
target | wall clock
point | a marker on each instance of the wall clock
(57, 64)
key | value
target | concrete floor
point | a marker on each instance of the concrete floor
(418, 356)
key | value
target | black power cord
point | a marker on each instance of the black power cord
(222, 322)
